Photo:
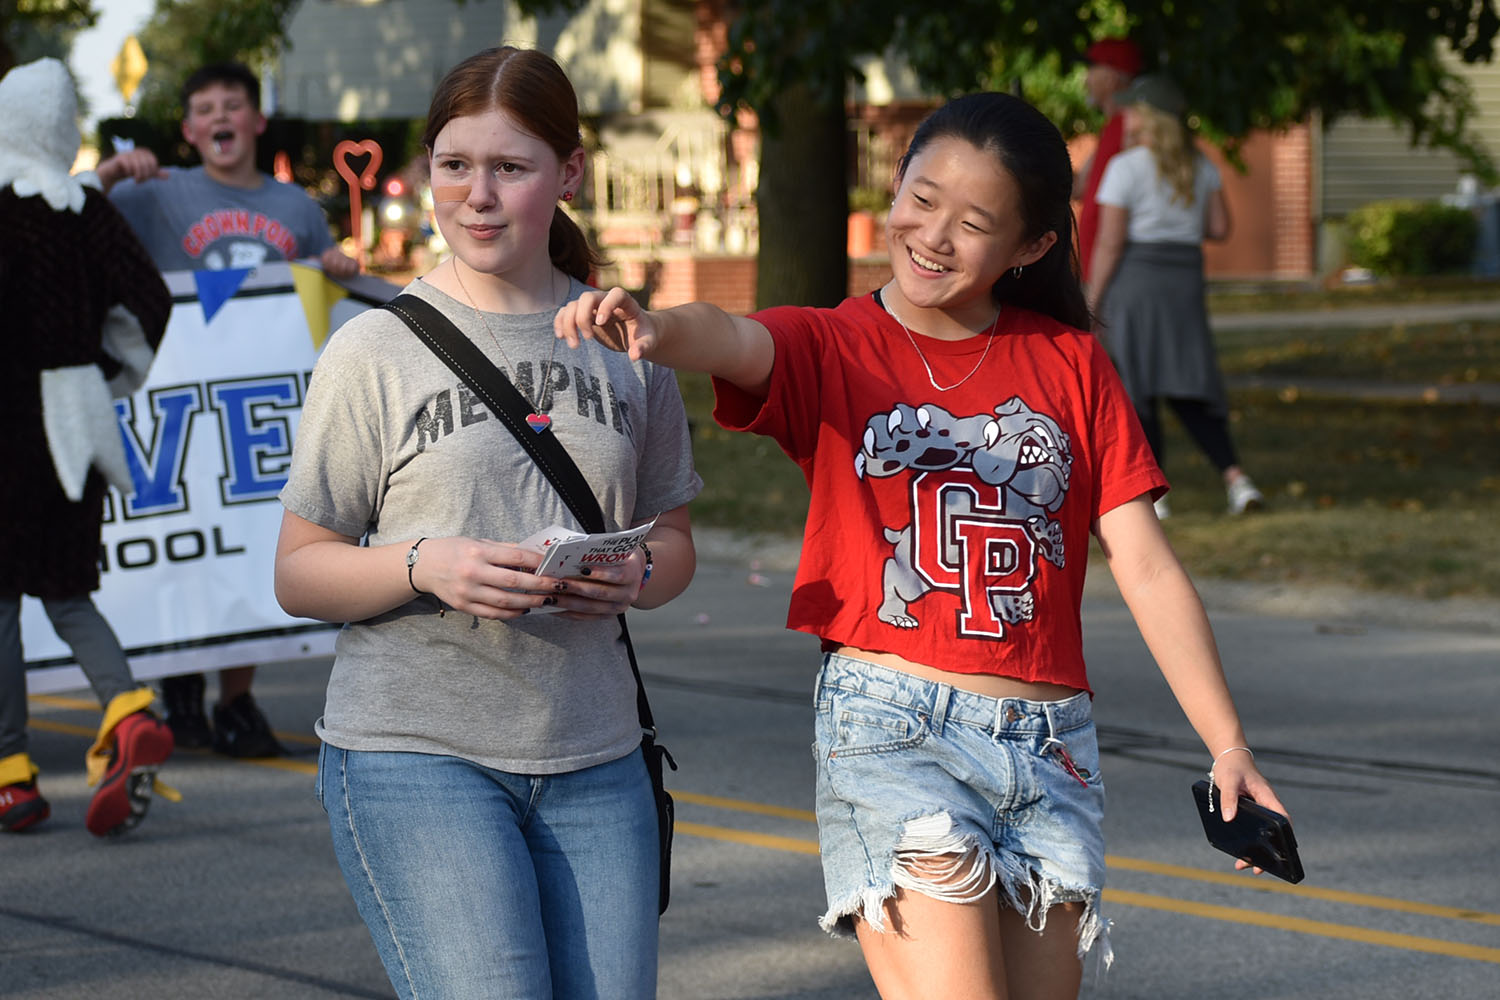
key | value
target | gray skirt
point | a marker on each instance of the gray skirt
(1155, 325)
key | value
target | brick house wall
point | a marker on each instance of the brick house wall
(1272, 234)
(728, 281)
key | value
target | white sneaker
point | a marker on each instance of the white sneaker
(1243, 496)
(1163, 511)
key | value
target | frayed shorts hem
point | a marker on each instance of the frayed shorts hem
(868, 905)
(958, 796)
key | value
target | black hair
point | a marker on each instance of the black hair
(1032, 151)
(230, 74)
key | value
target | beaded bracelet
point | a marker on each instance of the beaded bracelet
(647, 574)
(1215, 764)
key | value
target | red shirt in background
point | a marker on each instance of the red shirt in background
(1111, 140)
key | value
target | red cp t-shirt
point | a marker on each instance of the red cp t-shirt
(950, 528)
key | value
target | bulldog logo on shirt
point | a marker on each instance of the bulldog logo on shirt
(982, 489)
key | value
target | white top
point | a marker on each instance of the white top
(1131, 182)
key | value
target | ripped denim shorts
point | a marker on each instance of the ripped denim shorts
(929, 788)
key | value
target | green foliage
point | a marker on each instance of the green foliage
(1404, 237)
(1244, 65)
(183, 35)
(874, 200)
(31, 29)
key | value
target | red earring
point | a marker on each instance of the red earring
(567, 196)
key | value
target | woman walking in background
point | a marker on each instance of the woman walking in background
(1158, 201)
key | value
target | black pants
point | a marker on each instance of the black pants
(1209, 431)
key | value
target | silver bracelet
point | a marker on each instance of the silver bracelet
(1215, 764)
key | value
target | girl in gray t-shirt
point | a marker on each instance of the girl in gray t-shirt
(481, 765)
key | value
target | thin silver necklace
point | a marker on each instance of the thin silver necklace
(977, 365)
(538, 419)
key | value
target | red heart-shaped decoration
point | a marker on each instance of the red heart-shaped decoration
(538, 422)
(366, 177)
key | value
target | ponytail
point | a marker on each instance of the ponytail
(569, 248)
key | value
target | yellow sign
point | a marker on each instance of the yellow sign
(129, 68)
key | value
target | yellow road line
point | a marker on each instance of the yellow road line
(1120, 863)
(1266, 883)
(775, 843)
(88, 705)
(63, 701)
(1298, 925)
(803, 846)
(64, 727)
(738, 805)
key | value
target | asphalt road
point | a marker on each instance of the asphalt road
(1381, 738)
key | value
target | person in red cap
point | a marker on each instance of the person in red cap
(1113, 63)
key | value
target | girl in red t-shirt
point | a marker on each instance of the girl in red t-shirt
(962, 436)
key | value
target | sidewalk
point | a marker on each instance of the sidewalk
(1483, 393)
(1347, 316)
(1335, 607)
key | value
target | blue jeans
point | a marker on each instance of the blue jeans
(478, 884)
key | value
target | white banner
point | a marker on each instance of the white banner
(187, 558)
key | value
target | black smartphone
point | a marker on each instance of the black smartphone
(1258, 835)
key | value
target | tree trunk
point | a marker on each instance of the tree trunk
(803, 202)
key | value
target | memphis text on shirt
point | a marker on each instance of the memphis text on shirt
(594, 397)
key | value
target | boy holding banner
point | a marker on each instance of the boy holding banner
(224, 214)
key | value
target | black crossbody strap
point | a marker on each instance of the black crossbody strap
(506, 402)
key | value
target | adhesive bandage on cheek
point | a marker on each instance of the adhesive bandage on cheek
(450, 192)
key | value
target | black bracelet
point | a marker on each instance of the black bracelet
(411, 562)
(646, 549)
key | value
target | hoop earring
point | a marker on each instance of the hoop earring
(1015, 272)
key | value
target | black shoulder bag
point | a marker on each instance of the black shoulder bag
(506, 402)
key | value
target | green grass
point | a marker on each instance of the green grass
(1400, 497)
(1437, 353)
(749, 485)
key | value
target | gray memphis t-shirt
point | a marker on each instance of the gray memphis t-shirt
(190, 222)
(393, 446)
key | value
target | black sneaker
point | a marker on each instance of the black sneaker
(240, 730)
(182, 697)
